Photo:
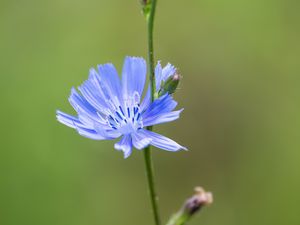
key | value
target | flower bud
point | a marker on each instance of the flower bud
(170, 85)
(146, 6)
(191, 206)
(199, 199)
(145, 2)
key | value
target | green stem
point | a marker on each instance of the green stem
(150, 23)
(147, 150)
(151, 184)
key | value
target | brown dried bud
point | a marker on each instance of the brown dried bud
(191, 206)
(145, 2)
(199, 199)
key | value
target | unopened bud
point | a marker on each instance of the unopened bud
(146, 6)
(145, 2)
(170, 85)
(199, 199)
(191, 206)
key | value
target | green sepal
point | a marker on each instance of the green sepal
(170, 85)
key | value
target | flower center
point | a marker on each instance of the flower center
(126, 119)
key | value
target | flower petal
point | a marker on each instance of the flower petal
(168, 71)
(109, 76)
(162, 118)
(133, 76)
(93, 93)
(140, 141)
(147, 100)
(68, 120)
(162, 74)
(106, 131)
(162, 142)
(161, 105)
(125, 145)
(79, 103)
(89, 133)
(86, 130)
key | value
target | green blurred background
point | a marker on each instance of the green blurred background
(240, 90)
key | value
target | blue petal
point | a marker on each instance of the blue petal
(162, 142)
(90, 133)
(87, 129)
(162, 118)
(133, 76)
(103, 91)
(68, 120)
(80, 104)
(109, 76)
(125, 145)
(93, 93)
(106, 131)
(168, 71)
(95, 79)
(163, 74)
(99, 126)
(140, 141)
(147, 100)
(161, 105)
(82, 129)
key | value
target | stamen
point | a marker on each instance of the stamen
(121, 110)
(126, 118)
(128, 111)
(117, 120)
(138, 116)
(118, 114)
(136, 97)
(111, 125)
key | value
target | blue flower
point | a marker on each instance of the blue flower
(108, 107)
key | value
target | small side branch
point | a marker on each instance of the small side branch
(191, 206)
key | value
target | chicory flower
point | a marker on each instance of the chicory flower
(109, 108)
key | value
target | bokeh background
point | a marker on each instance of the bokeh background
(240, 90)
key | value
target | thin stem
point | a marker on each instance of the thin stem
(150, 23)
(151, 184)
(147, 150)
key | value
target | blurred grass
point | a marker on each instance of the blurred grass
(240, 63)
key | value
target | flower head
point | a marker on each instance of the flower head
(109, 108)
